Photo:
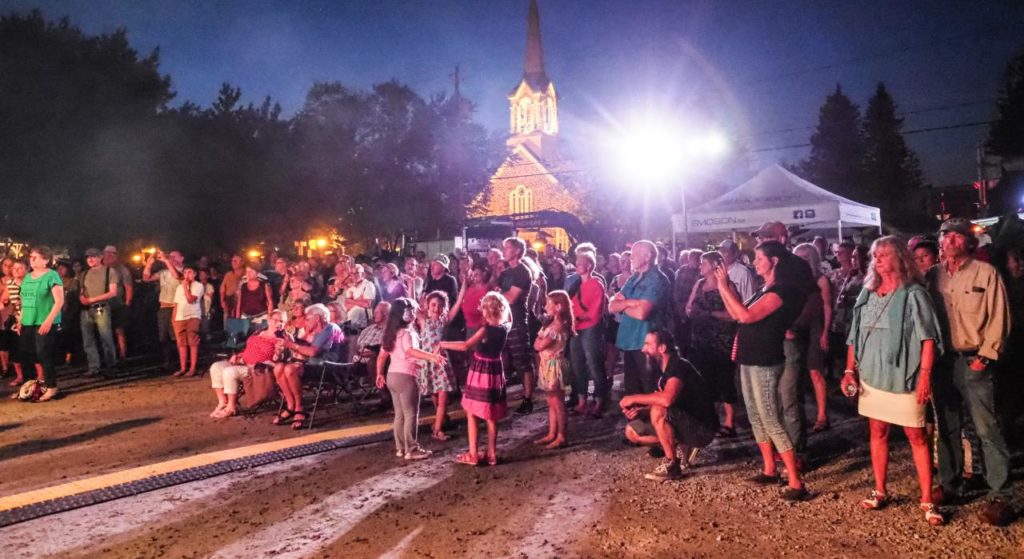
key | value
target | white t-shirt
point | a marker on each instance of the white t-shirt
(185, 310)
(358, 316)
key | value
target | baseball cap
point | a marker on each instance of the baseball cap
(93, 252)
(773, 229)
(110, 248)
(958, 225)
(442, 259)
(727, 244)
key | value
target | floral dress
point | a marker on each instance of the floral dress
(434, 378)
(554, 368)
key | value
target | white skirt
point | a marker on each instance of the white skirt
(890, 407)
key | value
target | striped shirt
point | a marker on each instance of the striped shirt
(14, 297)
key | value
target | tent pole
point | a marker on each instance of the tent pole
(840, 227)
(675, 253)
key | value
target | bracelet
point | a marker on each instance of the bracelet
(849, 372)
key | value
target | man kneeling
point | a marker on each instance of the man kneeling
(681, 412)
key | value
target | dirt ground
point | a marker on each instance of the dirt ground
(588, 500)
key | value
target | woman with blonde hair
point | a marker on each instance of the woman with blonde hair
(893, 343)
(811, 330)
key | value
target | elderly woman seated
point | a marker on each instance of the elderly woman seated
(225, 375)
(315, 345)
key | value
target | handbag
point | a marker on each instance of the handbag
(259, 386)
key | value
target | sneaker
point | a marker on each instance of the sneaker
(656, 451)
(997, 513)
(666, 471)
(417, 454)
(764, 479)
(48, 394)
(525, 407)
(800, 494)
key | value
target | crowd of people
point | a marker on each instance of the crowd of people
(918, 333)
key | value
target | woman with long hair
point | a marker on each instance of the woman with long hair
(894, 340)
(712, 335)
(763, 322)
(812, 328)
(402, 344)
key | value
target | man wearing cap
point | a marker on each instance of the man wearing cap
(739, 274)
(119, 305)
(773, 231)
(99, 288)
(441, 279)
(974, 315)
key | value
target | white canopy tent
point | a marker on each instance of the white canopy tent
(776, 194)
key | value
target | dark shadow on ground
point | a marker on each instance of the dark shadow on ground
(25, 448)
(9, 426)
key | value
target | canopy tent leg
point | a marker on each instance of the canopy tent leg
(840, 229)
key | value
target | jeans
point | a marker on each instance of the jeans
(101, 322)
(789, 393)
(38, 348)
(405, 394)
(958, 389)
(760, 386)
(637, 377)
(587, 352)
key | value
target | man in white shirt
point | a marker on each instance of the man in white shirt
(359, 299)
(169, 279)
(739, 274)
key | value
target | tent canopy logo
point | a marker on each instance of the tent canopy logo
(804, 214)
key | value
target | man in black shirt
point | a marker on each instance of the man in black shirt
(515, 284)
(441, 280)
(681, 411)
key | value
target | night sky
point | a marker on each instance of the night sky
(762, 61)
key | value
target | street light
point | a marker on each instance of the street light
(657, 154)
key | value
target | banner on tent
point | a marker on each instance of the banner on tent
(860, 215)
(707, 222)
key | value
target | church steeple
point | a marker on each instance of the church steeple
(533, 104)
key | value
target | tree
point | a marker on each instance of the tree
(837, 147)
(76, 129)
(1006, 135)
(892, 172)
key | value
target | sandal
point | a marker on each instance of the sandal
(875, 501)
(492, 460)
(726, 432)
(821, 426)
(16, 382)
(297, 421)
(441, 436)
(932, 514)
(468, 459)
(283, 417)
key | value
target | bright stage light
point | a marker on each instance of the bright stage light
(652, 153)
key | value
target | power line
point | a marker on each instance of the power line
(887, 53)
(905, 132)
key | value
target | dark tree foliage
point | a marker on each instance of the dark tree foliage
(891, 172)
(1006, 136)
(77, 116)
(837, 147)
(93, 154)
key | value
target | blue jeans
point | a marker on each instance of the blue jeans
(957, 390)
(760, 386)
(587, 352)
(93, 322)
(789, 392)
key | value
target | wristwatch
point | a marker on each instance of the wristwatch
(984, 360)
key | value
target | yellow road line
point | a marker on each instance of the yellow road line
(143, 472)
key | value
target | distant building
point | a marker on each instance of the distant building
(534, 176)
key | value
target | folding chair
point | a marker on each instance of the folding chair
(236, 332)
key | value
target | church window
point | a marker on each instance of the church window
(520, 200)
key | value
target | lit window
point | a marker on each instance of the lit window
(520, 200)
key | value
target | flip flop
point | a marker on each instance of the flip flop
(467, 459)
